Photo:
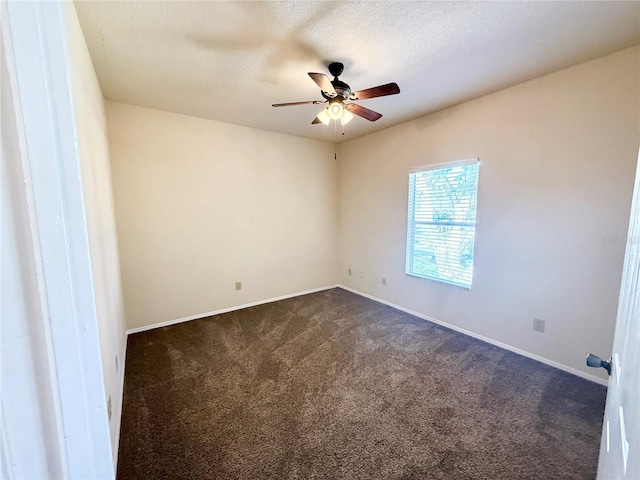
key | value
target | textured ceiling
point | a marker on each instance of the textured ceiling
(229, 61)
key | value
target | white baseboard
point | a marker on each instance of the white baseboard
(225, 310)
(491, 341)
(524, 353)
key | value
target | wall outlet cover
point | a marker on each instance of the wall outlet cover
(538, 325)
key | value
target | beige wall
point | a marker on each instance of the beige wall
(557, 161)
(202, 204)
(93, 151)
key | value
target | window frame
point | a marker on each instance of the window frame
(410, 238)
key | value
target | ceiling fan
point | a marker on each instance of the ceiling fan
(336, 92)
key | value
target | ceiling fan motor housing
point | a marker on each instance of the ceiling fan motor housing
(342, 89)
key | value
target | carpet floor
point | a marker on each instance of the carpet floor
(335, 386)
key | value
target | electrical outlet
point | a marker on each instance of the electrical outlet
(109, 407)
(538, 325)
(361, 275)
(116, 363)
(238, 285)
(349, 272)
(384, 281)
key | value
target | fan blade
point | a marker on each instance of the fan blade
(363, 112)
(373, 92)
(324, 83)
(296, 103)
(316, 121)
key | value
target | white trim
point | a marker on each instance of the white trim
(437, 166)
(6, 459)
(491, 341)
(226, 310)
(121, 368)
(21, 457)
(56, 201)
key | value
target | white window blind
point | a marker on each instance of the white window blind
(442, 222)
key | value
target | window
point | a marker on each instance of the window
(442, 222)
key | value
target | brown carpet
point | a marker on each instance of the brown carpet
(334, 386)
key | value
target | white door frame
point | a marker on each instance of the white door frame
(33, 35)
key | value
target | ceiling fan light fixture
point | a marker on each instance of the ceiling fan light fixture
(336, 109)
(347, 116)
(324, 117)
